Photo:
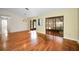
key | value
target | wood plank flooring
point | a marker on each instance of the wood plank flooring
(22, 41)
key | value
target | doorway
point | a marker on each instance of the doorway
(33, 24)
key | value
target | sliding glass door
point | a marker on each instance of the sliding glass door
(4, 32)
(55, 26)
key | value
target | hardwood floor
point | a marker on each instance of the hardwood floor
(71, 45)
(25, 41)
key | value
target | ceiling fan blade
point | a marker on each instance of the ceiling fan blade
(27, 8)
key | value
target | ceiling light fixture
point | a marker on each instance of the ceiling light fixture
(27, 14)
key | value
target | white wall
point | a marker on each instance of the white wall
(16, 24)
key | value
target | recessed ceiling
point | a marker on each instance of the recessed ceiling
(23, 12)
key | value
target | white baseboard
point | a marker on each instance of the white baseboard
(72, 39)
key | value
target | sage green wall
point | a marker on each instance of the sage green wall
(70, 22)
(78, 23)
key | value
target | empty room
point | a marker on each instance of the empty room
(39, 29)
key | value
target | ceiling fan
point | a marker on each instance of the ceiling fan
(27, 13)
(27, 8)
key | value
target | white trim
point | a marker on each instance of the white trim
(72, 39)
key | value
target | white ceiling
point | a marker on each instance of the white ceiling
(22, 12)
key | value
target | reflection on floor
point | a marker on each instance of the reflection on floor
(32, 41)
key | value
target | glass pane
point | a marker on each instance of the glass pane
(59, 24)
